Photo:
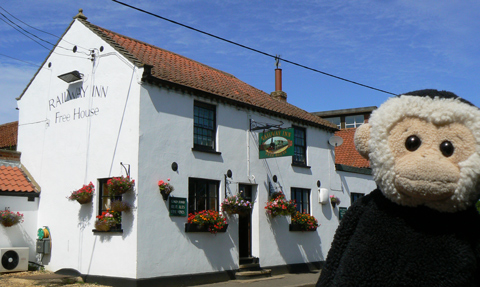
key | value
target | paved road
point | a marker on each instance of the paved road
(284, 280)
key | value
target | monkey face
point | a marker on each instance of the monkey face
(428, 157)
(424, 151)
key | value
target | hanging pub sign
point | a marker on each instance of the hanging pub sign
(276, 143)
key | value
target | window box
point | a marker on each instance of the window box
(297, 227)
(110, 232)
(192, 227)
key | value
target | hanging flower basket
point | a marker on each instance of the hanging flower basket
(303, 222)
(9, 218)
(120, 206)
(83, 195)
(119, 185)
(236, 205)
(334, 200)
(165, 188)
(278, 205)
(207, 220)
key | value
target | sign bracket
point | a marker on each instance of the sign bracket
(254, 126)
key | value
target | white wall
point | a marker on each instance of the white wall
(166, 136)
(23, 234)
(64, 151)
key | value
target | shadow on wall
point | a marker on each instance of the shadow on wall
(216, 248)
(296, 247)
(328, 210)
(16, 236)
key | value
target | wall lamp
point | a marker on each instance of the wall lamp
(71, 76)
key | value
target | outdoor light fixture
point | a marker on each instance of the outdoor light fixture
(229, 174)
(174, 166)
(71, 76)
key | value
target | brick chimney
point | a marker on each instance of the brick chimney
(278, 94)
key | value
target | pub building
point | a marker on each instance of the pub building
(105, 106)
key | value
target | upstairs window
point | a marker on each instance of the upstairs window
(202, 194)
(204, 127)
(354, 121)
(302, 199)
(335, 120)
(300, 147)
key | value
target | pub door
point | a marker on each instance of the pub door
(245, 225)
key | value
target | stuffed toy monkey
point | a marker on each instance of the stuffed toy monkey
(420, 226)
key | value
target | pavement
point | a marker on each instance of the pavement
(284, 280)
(26, 279)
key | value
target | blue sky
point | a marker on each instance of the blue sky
(396, 46)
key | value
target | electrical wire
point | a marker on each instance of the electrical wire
(24, 34)
(24, 29)
(41, 39)
(252, 49)
(20, 60)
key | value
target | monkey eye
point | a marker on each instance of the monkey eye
(413, 143)
(447, 148)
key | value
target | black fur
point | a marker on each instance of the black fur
(432, 93)
(380, 243)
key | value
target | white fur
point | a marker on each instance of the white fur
(438, 111)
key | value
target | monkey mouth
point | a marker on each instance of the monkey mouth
(425, 190)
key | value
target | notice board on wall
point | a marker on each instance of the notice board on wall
(177, 206)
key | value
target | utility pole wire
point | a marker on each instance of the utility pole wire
(252, 49)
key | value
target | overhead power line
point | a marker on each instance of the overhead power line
(33, 64)
(252, 49)
(20, 29)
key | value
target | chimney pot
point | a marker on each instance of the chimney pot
(278, 79)
(279, 94)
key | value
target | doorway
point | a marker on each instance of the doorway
(245, 224)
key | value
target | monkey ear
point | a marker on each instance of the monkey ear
(362, 137)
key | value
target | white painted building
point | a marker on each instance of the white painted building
(18, 193)
(140, 109)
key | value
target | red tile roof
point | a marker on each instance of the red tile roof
(13, 179)
(346, 154)
(165, 67)
(8, 135)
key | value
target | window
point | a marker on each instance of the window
(106, 199)
(300, 147)
(335, 120)
(354, 121)
(355, 196)
(302, 199)
(202, 194)
(204, 126)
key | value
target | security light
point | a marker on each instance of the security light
(71, 76)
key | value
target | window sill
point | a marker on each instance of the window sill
(191, 227)
(301, 165)
(294, 227)
(110, 232)
(206, 151)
